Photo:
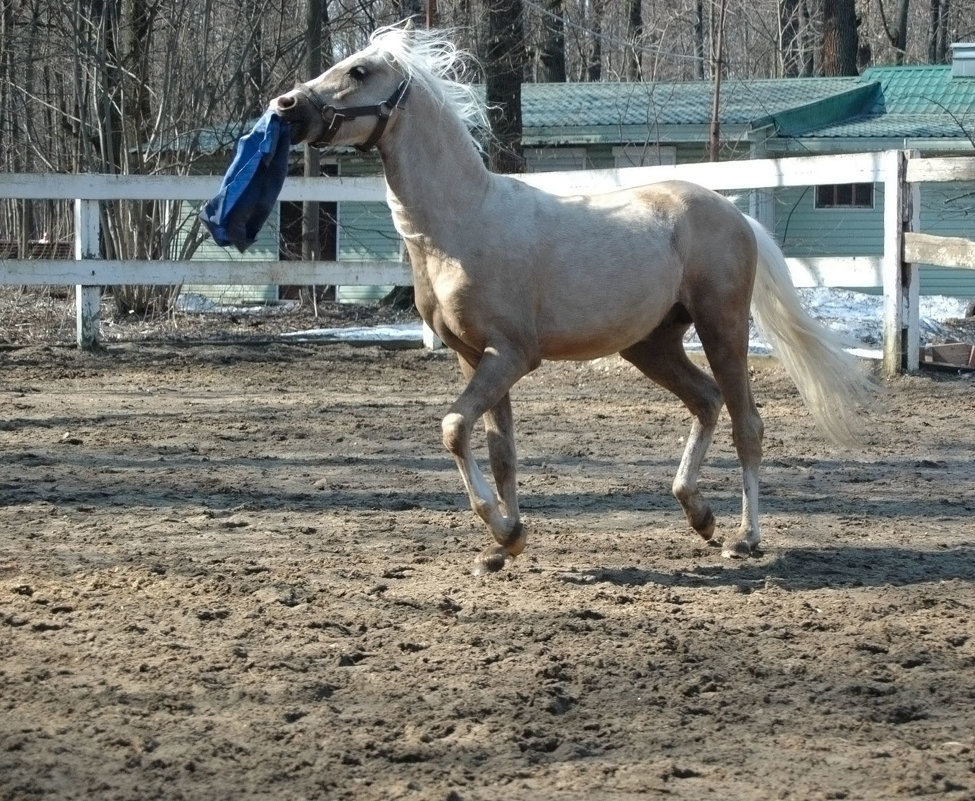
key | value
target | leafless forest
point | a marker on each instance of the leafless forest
(149, 86)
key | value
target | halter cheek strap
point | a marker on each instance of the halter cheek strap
(334, 117)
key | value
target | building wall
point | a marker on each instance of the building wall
(365, 232)
(948, 210)
(803, 230)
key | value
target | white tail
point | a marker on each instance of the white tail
(831, 381)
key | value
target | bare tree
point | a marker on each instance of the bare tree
(503, 66)
(790, 32)
(594, 68)
(634, 37)
(896, 30)
(717, 70)
(699, 49)
(551, 58)
(938, 36)
(839, 43)
(131, 87)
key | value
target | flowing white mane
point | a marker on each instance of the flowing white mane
(429, 58)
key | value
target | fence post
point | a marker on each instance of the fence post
(910, 274)
(88, 299)
(900, 278)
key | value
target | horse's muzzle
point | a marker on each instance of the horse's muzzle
(295, 109)
(302, 108)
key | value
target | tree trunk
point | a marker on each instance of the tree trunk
(313, 67)
(809, 49)
(897, 33)
(250, 77)
(551, 59)
(699, 40)
(714, 135)
(504, 64)
(938, 37)
(903, 9)
(633, 64)
(136, 23)
(839, 42)
(410, 9)
(594, 69)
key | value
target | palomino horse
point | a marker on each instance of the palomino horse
(508, 275)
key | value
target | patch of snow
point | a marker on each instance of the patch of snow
(856, 317)
(399, 332)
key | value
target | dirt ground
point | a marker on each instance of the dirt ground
(243, 572)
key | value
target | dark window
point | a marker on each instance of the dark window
(844, 196)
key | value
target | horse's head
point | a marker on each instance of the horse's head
(350, 104)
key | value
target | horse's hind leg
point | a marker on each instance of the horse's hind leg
(661, 358)
(726, 347)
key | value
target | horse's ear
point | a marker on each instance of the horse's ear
(409, 32)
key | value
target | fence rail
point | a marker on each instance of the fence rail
(110, 272)
(895, 271)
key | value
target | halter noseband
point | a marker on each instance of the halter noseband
(334, 117)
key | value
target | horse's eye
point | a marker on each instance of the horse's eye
(358, 73)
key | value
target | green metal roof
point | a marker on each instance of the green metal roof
(915, 103)
(923, 90)
(884, 102)
(611, 105)
(897, 126)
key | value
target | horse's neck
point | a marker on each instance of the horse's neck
(434, 173)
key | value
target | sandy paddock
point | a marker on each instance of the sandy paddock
(242, 572)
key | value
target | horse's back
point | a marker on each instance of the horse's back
(711, 235)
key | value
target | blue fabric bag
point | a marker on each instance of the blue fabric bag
(251, 185)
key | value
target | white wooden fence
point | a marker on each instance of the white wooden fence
(900, 173)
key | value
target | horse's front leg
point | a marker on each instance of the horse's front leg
(487, 396)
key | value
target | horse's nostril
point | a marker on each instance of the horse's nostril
(285, 102)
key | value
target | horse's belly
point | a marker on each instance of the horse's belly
(600, 328)
(603, 293)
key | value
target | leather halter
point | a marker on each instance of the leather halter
(334, 117)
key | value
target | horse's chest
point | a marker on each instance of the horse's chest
(434, 287)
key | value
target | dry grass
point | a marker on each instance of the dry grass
(46, 316)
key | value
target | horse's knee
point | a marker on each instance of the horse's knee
(455, 433)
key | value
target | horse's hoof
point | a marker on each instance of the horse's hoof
(739, 549)
(513, 543)
(491, 561)
(705, 527)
